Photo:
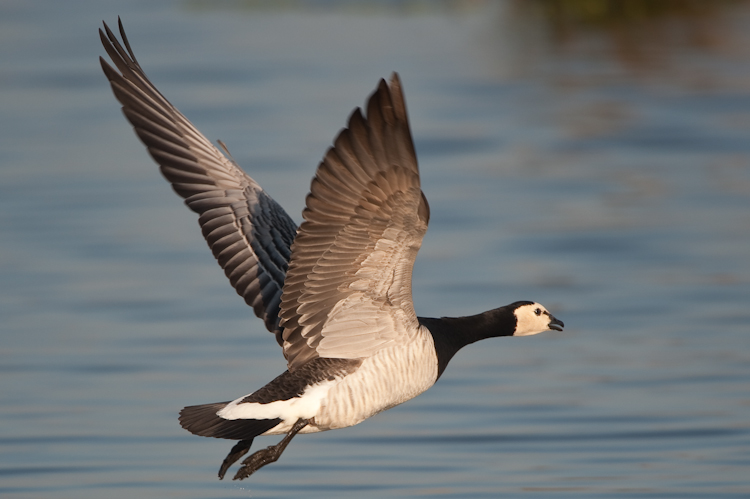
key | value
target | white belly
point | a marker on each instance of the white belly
(388, 378)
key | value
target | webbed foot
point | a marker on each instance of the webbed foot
(265, 456)
(239, 450)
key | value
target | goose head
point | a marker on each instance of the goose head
(533, 318)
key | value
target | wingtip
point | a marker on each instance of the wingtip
(398, 99)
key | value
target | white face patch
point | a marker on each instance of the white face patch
(532, 319)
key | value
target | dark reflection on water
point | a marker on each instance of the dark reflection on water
(592, 160)
(85, 439)
(712, 433)
(39, 470)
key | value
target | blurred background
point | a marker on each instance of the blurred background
(591, 155)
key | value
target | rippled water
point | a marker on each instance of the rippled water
(607, 177)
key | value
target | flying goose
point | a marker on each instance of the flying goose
(335, 291)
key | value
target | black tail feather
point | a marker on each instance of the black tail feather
(202, 420)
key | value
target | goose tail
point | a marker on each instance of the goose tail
(203, 420)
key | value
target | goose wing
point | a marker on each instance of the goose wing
(348, 288)
(248, 232)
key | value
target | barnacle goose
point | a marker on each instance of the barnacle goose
(335, 291)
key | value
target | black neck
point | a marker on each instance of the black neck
(451, 334)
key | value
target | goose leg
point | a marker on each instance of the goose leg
(268, 455)
(239, 450)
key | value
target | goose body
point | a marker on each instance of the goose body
(335, 291)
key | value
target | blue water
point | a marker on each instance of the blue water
(605, 178)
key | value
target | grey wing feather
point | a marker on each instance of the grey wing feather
(248, 232)
(348, 287)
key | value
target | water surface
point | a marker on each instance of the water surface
(606, 178)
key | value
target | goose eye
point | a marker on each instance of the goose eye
(538, 311)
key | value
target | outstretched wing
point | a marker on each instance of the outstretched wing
(248, 232)
(348, 287)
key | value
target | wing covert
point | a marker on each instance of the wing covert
(348, 288)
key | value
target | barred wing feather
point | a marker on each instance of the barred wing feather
(248, 232)
(348, 288)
